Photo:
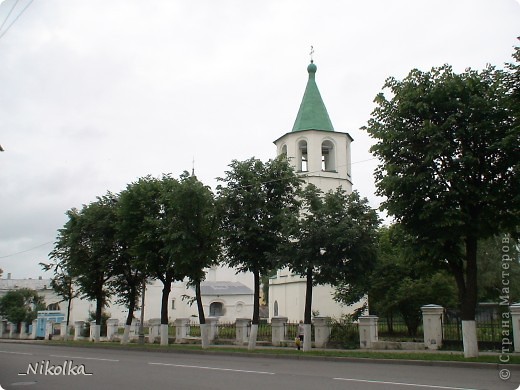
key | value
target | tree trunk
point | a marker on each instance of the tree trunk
(200, 308)
(469, 301)
(68, 311)
(131, 306)
(256, 312)
(167, 287)
(99, 311)
(204, 330)
(307, 317)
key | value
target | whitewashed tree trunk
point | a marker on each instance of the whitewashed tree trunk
(307, 337)
(126, 335)
(204, 335)
(469, 339)
(164, 334)
(252, 337)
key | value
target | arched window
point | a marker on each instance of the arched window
(275, 310)
(216, 309)
(303, 160)
(284, 150)
(328, 156)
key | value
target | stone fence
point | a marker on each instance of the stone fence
(367, 326)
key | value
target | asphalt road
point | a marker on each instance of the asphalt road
(31, 365)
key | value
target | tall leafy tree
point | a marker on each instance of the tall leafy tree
(21, 306)
(333, 242)
(148, 207)
(254, 204)
(85, 249)
(194, 236)
(450, 167)
(128, 278)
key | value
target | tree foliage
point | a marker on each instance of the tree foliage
(194, 232)
(402, 281)
(448, 145)
(147, 211)
(253, 205)
(86, 247)
(333, 241)
(21, 305)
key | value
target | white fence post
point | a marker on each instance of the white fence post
(432, 326)
(367, 331)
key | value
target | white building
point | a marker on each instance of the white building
(225, 295)
(322, 157)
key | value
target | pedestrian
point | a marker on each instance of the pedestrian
(299, 339)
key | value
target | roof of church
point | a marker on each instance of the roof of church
(312, 114)
(224, 288)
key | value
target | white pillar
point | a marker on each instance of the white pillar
(212, 323)
(78, 328)
(367, 331)
(23, 333)
(432, 325)
(321, 331)
(515, 319)
(12, 328)
(134, 329)
(95, 331)
(181, 329)
(64, 331)
(154, 328)
(241, 325)
(112, 327)
(49, 330)
(278, 330)
(34, 329)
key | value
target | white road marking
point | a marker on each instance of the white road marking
(403, 384)
(85, 358)
(213, 368)
(17, 353)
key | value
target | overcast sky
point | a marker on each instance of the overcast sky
(95, 94)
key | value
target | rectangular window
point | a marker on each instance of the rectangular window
(173, 304)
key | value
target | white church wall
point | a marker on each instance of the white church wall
(288, 291)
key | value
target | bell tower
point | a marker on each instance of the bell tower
(318, 153)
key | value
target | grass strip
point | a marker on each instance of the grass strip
(445, 356)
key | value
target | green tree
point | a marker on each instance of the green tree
(194, 235)
(401, 282)
(86, 248)
(333, 242)
(489, 261)
(449, 172)
(21, 306)
(254, 204)
(129, 275)
(149, 207)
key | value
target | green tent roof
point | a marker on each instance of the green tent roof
(312, 114)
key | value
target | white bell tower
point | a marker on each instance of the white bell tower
(317, 152)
